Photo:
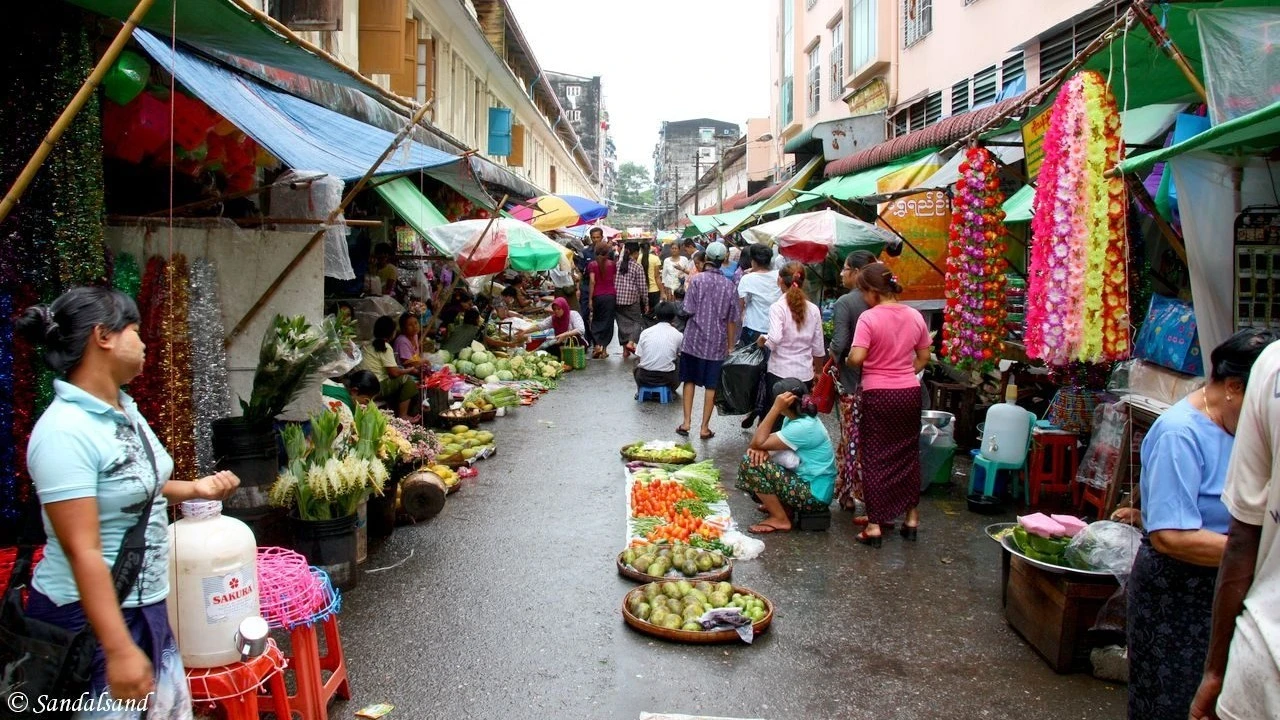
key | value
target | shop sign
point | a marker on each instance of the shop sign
(1033, 132)
(870, 98)
(925, 220)
(843, 137)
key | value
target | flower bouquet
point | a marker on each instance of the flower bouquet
(335, 469)
(292, 353)
(408, 442)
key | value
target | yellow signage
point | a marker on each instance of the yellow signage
(872, 97)
(1033, 142)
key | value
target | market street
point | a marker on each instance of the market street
(510, 604)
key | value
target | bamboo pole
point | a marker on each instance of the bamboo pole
(333, 216)
(242, 222)
(435, 318)
(210, 202)
(904, 239)
(1167, 46)
(73, 108)
(1139, 193)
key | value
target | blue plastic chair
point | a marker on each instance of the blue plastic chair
(661, 394)
(991, 467)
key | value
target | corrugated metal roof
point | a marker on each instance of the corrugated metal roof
(735, 201)
(943, 133)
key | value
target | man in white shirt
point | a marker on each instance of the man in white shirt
(1242, 671)
(657, 350)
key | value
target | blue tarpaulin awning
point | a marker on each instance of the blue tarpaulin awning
(303, 135)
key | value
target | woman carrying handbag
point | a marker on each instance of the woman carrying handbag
(97, 469)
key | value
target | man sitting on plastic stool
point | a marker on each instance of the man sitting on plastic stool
(657, 350)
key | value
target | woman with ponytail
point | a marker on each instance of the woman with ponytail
(795, 341)
(891, 345)
(794, 468)
(96, 466)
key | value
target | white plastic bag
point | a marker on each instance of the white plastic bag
(1105, 545)
(744, 547)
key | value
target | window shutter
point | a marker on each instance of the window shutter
(984, 87)
(516, 157)
(960, 97)
(381, 36)
(405, 82)
(500, 131)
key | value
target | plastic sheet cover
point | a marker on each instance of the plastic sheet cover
(1240, 62)
(315, 198)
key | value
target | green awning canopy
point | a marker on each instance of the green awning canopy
(859, 185)
(1153, 77)
(1258, 131)
(223, 26)
(1017, 207)
(414, 207)
(701, 224)
(729, 221)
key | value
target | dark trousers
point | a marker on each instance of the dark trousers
(584, 309)
(602, 320)
(653, 378)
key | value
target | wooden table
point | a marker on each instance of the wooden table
(1053, 612)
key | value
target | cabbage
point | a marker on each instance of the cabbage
(466, 367)
(492, 379)
(505, 375)
(450, 367)
(445, 356)
(502, 364)
(480, 357)
(464, 353)
(484, 369)
(477, 346)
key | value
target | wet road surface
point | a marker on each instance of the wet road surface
(507, 605)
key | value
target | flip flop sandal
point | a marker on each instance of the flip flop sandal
(762, 529)
(682, 431)
(708, 436)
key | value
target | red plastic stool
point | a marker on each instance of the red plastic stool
(1052, 465)
(235, 687)
(314, 690)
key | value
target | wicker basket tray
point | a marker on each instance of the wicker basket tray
(488, 416)
(471, 420)
(717, 575)
(689, 636)
(628, 457)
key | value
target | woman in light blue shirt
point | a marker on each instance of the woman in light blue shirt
(95, 462)
(1170, 591)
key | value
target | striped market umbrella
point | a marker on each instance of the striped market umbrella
(488, 247)
(809, 237)
(552, 212)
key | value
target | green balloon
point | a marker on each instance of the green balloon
(127, 77)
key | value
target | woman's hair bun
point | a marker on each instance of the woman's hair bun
(37, 324)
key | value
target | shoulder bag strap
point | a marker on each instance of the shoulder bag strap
(134, 546)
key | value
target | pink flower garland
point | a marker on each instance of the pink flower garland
(1078, 292)
(975, 283)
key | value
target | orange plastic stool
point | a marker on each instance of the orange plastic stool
(1052, 465)
(235, 687)
(314, 690)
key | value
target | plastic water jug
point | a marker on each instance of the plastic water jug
(1005, 434)
(213, 583)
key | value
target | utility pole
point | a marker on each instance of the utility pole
(720, 181)
(697, 178)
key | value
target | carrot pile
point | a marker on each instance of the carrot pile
(658, 499)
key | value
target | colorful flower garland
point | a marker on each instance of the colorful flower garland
(975, 283)
(1077, 301)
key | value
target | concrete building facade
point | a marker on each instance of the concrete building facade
(583, 101)
(473, 63)
(685, 150)
(720, 185)
(914, 61)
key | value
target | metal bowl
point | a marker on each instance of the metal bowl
(936, 418)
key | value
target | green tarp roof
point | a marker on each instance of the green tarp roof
(1247, 134)
(223, 26)
(1153, 77)
(859, 185)
(1017, 207)
(410, 204)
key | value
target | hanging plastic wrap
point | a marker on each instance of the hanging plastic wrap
(1107, 448)
(1105, 545)
(1240, 63)
(309, 194)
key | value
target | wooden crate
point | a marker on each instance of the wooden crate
(1052, 612)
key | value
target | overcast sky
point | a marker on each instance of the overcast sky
(658, 60)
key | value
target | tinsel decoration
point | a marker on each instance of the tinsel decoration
(211, 394)
(148, 389)
(8, 470)
(973, 327)
(1077, 299)
(127, 277)
(175, 419)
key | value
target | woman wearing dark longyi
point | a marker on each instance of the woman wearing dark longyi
(95, 462)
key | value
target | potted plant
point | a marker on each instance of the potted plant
(328, 476)
(293, 351)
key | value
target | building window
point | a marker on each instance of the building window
(788, 62)
(1057, 50)
(425, 71)
(1013, 76)
(572, 91)
(575, 115)
(960, 97)
(862, 33)
(706, 135)
(932, 108)
(917, 21)
(837, 59)
(815, 80)
(984, 87)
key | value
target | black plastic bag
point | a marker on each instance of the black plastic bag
(739, 379)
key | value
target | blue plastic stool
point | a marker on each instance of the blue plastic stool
(662, 394)
(991, 467)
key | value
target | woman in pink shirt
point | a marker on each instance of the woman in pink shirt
(890, 344)
(795, 341)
